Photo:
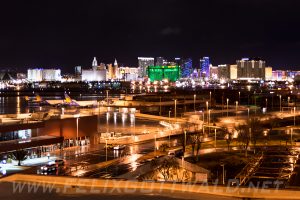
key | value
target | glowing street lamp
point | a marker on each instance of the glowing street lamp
(294, 116)
(227, 100)
(160, 106)
(207, 109)
(106, 150)
(236, 108)
(248, 112)
(175, 113)
(77, 125)
(239, 97)
(195, 103)
(209, 121)
(280, 103)
(210, 98)
(107, 97)
(170, 128)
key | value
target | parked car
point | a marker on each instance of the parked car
(49, 168)
(119, 147)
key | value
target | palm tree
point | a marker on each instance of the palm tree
(199, 143)
(228, 136)
(19, 155)
(243, 137)
(256, 129)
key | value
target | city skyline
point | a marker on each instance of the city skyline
(63, 34)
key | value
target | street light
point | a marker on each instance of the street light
(160, 106)
(175, 113)
(210, 98)
(207, 109)
(239, 97)
(195, 103)
(209, 121)
(236, 108)
(107, 97)
(223, 179)
(106, 150)
(77, 124)
(227, 100)
(294, 116)
(215, 139)
(155, 144)
(289, 101)
(280, 102)
(170, 127)
(248, 112)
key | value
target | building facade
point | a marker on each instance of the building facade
(158, 73)
(143, 63)
(251, 68)
(204, 67)
(186, 66)
(38, 74)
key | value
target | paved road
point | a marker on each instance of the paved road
(97, 154)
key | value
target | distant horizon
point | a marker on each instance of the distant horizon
(71, 70)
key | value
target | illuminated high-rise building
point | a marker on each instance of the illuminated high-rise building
(144, 62)
(186, 66)
(158, 73)
(160, 61)
(204, 67)
(94, 64)
(251, 68)
(115, 70)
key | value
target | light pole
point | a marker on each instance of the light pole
(195, 103)
(155, 144)
(210, 98)
(266, 103)
(239, 97)
(207, 109)
(236, 108)
(175, 113)
(292, 130)
(160, 106)
(215, 139)
(107, 97)
(248, 113)
(223, 178)
(77, 123)
(209, 122)
(170, 128)
(106, 149)
(289, 101)
(227, 100)
(294, 116)
(184, 139)
(280, 103)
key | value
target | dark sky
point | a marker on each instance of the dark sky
(68, 33)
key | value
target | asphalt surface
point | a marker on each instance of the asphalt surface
(98, 154)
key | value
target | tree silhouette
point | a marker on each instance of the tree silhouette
(244, 137)
(19, 155)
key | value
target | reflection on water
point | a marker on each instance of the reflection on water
(13, 105)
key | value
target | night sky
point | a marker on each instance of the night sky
(69, 33)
